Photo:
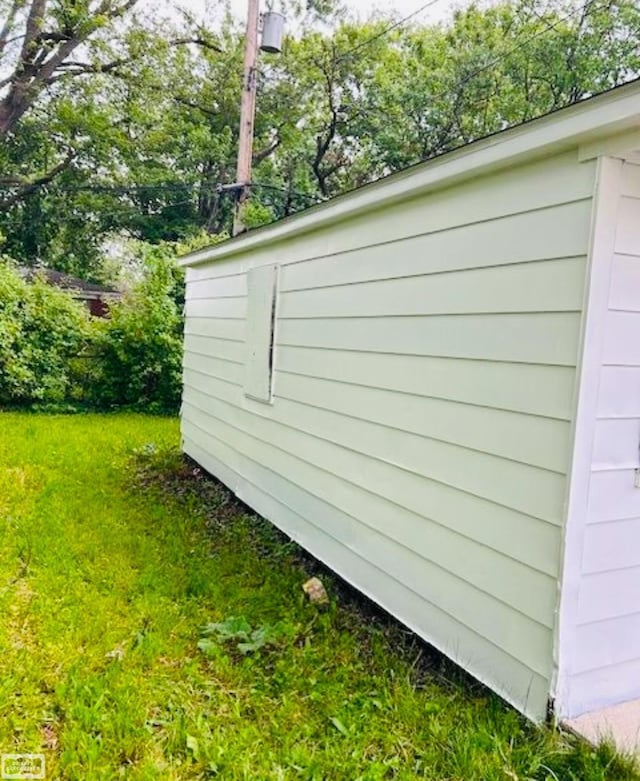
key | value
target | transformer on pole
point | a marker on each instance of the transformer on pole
(272, 32)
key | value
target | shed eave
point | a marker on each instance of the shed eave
(612, 113)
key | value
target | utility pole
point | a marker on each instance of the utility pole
(247, 114)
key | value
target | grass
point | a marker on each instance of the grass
(109, 568)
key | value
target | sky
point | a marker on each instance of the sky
(437, 11)
(365, 7)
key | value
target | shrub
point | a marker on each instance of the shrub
(138, 349)
(41, 330)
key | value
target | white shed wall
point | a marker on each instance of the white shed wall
(424, 376)
(600, 649)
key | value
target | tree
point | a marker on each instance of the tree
(69, 127)
(38, 39)
(138, 136)
(494, 68)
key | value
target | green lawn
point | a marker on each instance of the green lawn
(109, 567)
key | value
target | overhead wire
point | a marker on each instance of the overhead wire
(167, 186)
(401, 22)
(584, 9)
(455, 92)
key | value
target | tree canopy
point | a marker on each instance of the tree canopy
(115, 124)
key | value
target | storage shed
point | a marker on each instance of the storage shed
(432, 383)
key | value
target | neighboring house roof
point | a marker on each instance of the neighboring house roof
(612, 118)
(81, 287)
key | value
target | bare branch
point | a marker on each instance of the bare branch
(192, 104)
(26, 187)
(198, 41)
(268, 150)
(76, 68)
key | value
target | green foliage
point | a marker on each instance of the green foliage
(138, 349)
(238, 630)
(53, 353)
(41, 331)
(152, 126)
(256, 214)
(199, 241)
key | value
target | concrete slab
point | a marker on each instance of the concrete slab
(620, 723)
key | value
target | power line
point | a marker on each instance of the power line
(121, 189)
(385, 31)
(585, 10)
(287, 191)
(455, 92)
(114, 188)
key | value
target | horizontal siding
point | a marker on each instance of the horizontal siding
(625, 283)
(545, 391)
(216, 328)
(478, 610)
(621, 345)
(605, 643)
(554, 184)
(595, 689)
(418, 439)
(365, 454)
(619, 392)
(529, 338)
(223, 287)
(630, 185)
(229, 371)
(276, 499)
(210, 347)
(483, 200)
(523, 287)
(222, 270)
(527, 439)
(596, 591)
(495, 243)
(628, 233)
(611, 596)
(612, 545)
(616, 444)
(489, 524)
(613, 496)
(218, 308)
(612, 492)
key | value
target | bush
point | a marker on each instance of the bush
(53, 353)
(138, 349)
(42, 329)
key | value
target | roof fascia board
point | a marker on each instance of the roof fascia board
(623, 145)
(614, 113)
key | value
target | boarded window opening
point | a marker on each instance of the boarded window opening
(261, 283)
